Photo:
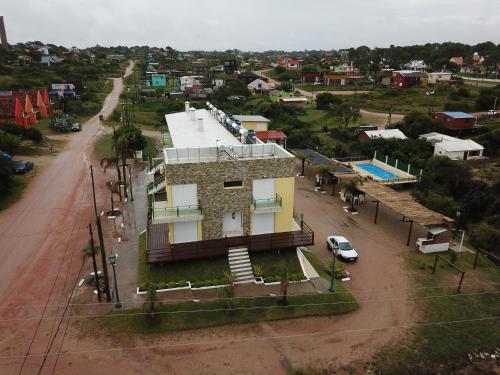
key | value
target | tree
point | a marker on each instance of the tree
(323, 171)
(107, 162)
(346, 112)
(114, 188)
(325, 100)
(151, 304)
(351, 186)
(285, 279)
(302, 159)
(228, 290)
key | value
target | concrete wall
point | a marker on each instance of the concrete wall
(217, 200)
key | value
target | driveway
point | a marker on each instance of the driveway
(41, 241)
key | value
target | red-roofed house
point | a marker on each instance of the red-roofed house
(293, 63)
(22, 107)
(272, 136)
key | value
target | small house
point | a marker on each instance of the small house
(253, 122)
(403, 79)
(299, 101)
(293, 64)
(454, 148)
(439, 77)
(455, 120)
(309, 77)
(259, 86)
(248, 77)
(272, 136)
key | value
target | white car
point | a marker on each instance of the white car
(342, 247)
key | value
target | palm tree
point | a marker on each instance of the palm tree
(285, 279)
(228, 290)
(121, 145)
(351, 186)
(323, 172)
(302, 158)
(114, 188)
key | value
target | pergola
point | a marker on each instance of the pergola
(401, 202)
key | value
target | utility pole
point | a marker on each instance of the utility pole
(103, 259)
(94, 263)
(101, 243)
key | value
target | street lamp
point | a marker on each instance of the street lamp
(130, 185)
(112, 260)
(332, 282)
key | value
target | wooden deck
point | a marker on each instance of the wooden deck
(160, 251)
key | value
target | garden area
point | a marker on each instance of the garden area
(444, 348)
(200, 272)
(270, 265)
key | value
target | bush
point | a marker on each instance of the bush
(9, 142)
(181, 283)
(162, 285)
(340, 269)
(172, 284)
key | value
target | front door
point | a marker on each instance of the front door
(232, 224)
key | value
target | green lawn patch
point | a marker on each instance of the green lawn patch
(196, 270)
(193, 315)
(445, 346)
(271, 262)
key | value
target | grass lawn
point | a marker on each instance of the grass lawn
(310, 87)
(271, 262)
(17, 188)
(444, 346)
(404, 101)
(192, 270)
(193, 315)
(103, 147)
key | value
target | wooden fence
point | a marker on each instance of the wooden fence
(220, 247)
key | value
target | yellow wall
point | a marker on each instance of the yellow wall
(200, 233)
(171, 233)
(283, 221)
(168, 190)
(252, 125)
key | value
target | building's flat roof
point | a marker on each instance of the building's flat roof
(187, 133)
(385, 133)
(251, 118)
(457, 114)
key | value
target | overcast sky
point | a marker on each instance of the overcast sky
(255, 25)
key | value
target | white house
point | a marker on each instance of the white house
(454, 148)
(416, 65)
(438, 77)
(259, 85)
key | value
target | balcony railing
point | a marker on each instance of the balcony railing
(267, 203)
(157, 182)
(178, 211)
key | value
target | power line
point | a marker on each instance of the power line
(250, 297)
(255, 338)
(256, 307)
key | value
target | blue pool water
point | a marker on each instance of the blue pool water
(377, 171)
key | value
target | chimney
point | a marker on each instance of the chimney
(186, 106)
(192, 113)
(200, 122)
(3, 34)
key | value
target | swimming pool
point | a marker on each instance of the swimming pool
(377, 171)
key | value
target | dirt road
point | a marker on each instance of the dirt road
(41, 241)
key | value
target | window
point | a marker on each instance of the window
(233, 184)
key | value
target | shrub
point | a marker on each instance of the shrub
(172, 284)
(162, 285)
(340, 269)
(181, 283)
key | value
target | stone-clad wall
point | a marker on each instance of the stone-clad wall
(216, 200)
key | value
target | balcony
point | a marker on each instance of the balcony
(156, 185)
(267, 205)
(163, 214)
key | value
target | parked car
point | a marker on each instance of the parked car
(22, 166)
(76, 127)
(342, 247)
